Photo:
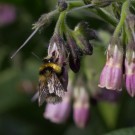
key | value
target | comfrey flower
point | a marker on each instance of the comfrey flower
(7, 14)
(59, 113)
(111, 76)
(130, 69)
(130, 56)
(81, 107)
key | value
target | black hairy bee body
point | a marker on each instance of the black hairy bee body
(50, 88)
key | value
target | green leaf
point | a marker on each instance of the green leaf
(109, 112)
(127, 131)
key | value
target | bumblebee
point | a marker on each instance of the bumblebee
(50, 88)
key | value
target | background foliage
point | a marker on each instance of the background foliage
(18, 115)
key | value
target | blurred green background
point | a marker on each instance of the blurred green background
(19, 76)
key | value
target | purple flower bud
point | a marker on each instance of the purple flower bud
(57, 50)
(64, 77)
(74, 54)
(7, 14)
(59, 113)
(81, 108)
(130, 72)
(112, 73)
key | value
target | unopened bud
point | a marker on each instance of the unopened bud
(62, 5)
(57, 49)
(44, 20)
(74, 54)
(83, 34)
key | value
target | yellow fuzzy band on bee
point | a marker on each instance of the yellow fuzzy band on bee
(54, 66)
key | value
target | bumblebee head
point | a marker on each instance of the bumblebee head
(50, 60)
(47, 60)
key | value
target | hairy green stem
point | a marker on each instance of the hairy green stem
(103, 14)
(59, 24)
(75, 4)
(124, 11)
(53, 13)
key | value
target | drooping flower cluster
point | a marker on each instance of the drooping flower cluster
(67, 47)
(59, 113)
(53, 72)
(116, 66)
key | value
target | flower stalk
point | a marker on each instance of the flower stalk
(59, 25)
(125, 8)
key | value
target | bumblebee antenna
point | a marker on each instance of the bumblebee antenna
(27, 40)
(36, 56)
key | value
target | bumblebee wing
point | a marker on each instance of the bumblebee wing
(43, 90)
(50, 90)
(55, 86)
